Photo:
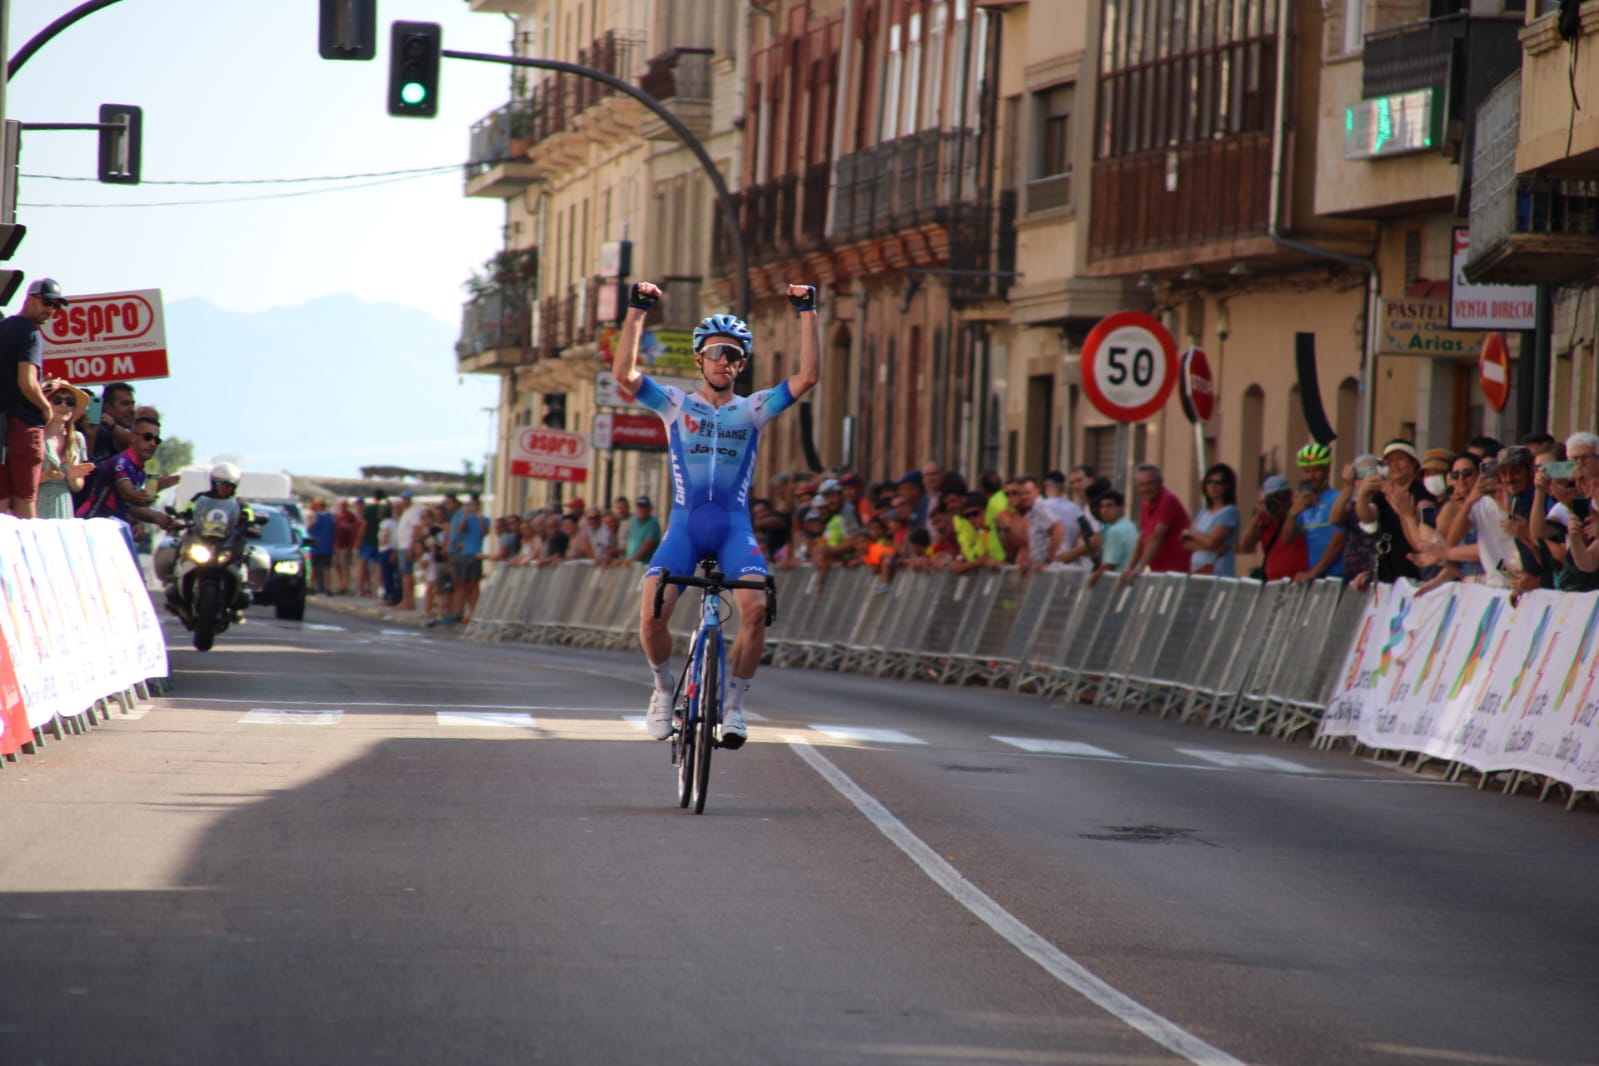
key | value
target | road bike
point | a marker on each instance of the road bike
(697, 702)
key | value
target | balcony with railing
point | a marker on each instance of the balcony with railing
(496, 330)
(497, 165)
(1526, 228)
(780, 219)
(560, 98)
(1191, 194)
(916, 180)
(680, 79)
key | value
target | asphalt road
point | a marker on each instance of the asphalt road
(343, 843)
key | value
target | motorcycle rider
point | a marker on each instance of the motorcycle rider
(225, 486)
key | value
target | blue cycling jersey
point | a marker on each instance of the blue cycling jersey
(713, 461)
(713, 448)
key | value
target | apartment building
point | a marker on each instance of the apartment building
(976, 183)
(581, 167)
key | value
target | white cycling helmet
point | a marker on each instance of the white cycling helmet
(225, 472)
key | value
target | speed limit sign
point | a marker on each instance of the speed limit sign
(1129, 366)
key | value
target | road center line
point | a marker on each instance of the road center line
(1059, 965)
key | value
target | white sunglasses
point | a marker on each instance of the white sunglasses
(717, 353)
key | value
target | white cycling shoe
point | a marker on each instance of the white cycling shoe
(734, 731)
(658, 719)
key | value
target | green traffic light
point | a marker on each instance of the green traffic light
(413, 93)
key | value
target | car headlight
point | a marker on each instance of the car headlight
(200, 553)
(287, 566)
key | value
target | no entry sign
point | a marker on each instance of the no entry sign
(1198, 391)
(108, 336)
(1493, 371)
(1129, 366)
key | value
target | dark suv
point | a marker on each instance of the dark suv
(282, 583)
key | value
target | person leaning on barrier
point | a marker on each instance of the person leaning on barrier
(1118, 536)
(1213, 538)
(1311, 515)
(980, 546)
(1459, 562)
(1486, 511)
(1161, 521)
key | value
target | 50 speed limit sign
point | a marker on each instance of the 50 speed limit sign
(1129, 366)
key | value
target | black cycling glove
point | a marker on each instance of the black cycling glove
(807, 302)
(644, 301)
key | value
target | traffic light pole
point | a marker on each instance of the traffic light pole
(724, 198)
(42, 38)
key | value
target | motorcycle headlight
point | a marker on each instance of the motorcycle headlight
(288, 566)
(200, 553)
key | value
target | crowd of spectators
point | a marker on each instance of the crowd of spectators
(1495, 514)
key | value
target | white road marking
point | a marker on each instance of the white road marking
(1059, 747)
(400, 632)
(1059, 965)
(867, 736)
(323, 627)
(433, 706)
(280, 716)
(490, 719)
(1235, 760)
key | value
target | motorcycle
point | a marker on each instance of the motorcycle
(203, 569)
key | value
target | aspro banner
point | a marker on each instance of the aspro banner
(1464, 675)
(107, 336)
(68, 586)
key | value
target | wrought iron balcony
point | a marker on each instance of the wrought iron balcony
(680, 79)
(497, 162)
(1525, 228)
(560, 98)
(496, 330)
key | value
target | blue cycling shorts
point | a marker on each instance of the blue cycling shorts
(709, 530)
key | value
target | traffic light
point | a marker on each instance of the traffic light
(11, 234)
(349, 29)
(120, 145)
(554, 410)
(414, 69)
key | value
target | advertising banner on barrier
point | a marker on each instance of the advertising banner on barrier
(1462, 674)
(14, 728)
(75, 618)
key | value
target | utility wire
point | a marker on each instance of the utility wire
(266, 181)
(234, 199)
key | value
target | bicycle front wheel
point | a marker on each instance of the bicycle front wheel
(709, 699)
(683, 755)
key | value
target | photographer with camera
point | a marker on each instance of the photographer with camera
(1389, 498)
(1566, 531)
(1281, 557)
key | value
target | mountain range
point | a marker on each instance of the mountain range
(321, 389)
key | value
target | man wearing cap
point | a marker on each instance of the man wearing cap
(1310, 516)
(1284, 557)
(24, 408)
(643, 533)
(1379, 500)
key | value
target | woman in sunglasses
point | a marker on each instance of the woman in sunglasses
(65, 451)
(713, 435)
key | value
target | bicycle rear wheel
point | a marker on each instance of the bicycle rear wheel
(709, 712)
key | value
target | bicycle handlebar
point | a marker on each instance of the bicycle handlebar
(766, 585)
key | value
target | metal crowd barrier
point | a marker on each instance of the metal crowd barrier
(1219, 651)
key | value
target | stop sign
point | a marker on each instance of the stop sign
(1493, 371)
(1198, 386)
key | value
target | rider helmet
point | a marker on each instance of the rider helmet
(1314, 454)
(724, 326)
(225, 474)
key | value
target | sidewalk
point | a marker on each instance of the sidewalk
(368, 607)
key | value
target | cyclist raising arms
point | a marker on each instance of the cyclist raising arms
(713, 436)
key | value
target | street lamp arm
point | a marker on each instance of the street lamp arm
(42, 38)
(723, 197)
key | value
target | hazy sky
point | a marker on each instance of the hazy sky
(236, 90)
